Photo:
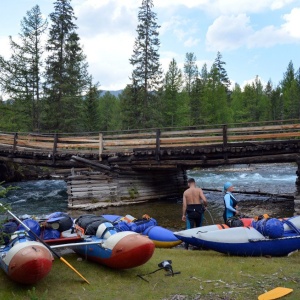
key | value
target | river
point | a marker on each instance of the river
(42, 197)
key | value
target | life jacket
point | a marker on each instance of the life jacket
(233, 200)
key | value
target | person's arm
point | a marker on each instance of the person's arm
(227, 203)
(202, 196)
(184, 208)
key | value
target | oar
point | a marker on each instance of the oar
(38, 238)
(275, 293)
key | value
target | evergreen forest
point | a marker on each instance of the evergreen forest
(48, 87)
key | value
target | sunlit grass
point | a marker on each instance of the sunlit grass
(203, 275)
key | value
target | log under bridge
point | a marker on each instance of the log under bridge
(119, 168)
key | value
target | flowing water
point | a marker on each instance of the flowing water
(42, 197)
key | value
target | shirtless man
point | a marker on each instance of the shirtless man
(194, 204)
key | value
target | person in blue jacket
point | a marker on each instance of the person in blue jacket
(229, 201)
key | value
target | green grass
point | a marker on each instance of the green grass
(204, 275)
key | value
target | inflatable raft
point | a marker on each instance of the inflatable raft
(24, 260)
(96, 239)
(161, 237)
(278, 238)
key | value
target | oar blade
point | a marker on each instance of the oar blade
(275, 293)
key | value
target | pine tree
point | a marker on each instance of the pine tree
(215, 105)
(196, 102)
(269, 94)
(255, 102)
(171, 92)
(204, 74)
(222, 73)
(237, 105)
(275, 101)
(21, 74)
(131, 103)
(67, 77)
(147, 74)
(297, 100)
(190, 71)
(90, 109)
(290, 93)
(109, 112)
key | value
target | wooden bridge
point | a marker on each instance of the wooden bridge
(148, 164)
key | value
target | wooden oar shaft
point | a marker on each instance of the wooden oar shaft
(38, 238)
(63, 260)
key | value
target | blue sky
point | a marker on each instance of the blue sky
(254, 37)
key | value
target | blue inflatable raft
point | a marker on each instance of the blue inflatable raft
(161, 237)
(264, 238)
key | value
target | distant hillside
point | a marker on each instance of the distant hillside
(114, 93)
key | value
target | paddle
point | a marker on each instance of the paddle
(38, 238)
(275, 293)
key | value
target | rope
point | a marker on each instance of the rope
(210, 216)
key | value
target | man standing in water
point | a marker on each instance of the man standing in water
(193, 206)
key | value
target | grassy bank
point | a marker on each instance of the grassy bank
(204, 275)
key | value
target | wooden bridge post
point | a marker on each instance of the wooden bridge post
(224, 135)
(15, 142)
(100, 146)
(225, 139)
(157, 149)
(298, 172)
(54, 147)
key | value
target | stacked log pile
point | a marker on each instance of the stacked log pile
(297, 205)
(91, 190)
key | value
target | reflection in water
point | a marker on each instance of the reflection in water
(167, 213)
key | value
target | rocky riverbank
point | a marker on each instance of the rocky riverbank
(274, 208)
(10, 172)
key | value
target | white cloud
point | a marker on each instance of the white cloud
(232, 32)
(171, 24)
(292, 25)
(267, 37)
(187, 3)
(5, 47)
(278, 4)
(248, 6)
(252, 81)
(228, 32)
(216, 7)
(191, 42)
(108, 29)
(108, 58)
(184, 30)
(112, 16)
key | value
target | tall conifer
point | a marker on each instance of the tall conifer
(147, 74)
(171, 91)
(21, 75)
(222, 73)
(290, 93)
(66, 71)
(190, 71)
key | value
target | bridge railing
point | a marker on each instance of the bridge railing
(110, 143)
